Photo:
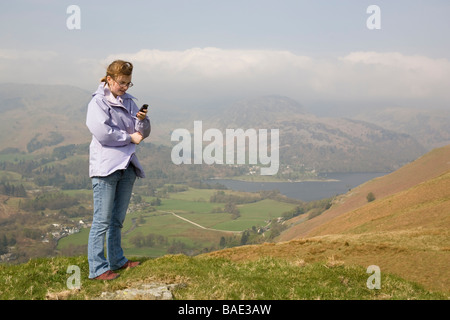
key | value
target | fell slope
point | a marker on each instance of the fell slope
(405, 231)
(431, 165)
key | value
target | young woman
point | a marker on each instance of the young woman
(117, 126)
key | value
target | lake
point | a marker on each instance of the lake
(306, 190)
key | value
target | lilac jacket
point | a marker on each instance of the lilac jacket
(111, 121)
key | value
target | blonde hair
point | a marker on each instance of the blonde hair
(117, 68)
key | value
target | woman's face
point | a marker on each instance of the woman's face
(119, 85)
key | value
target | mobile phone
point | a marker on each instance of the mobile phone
(143, 108)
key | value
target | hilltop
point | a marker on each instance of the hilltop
(205, 278)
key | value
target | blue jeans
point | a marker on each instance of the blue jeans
(111, 198)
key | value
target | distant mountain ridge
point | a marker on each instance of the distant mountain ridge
(35, 117)
(428, 126)
(258, 111)
(321, 144)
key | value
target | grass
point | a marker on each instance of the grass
(210, 278)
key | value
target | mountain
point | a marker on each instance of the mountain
(428, 126)
(257, 112)
(37, 116)
(321, 144)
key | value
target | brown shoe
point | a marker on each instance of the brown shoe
(108, 275)
(130, 264)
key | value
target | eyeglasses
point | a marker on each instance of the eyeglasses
(124, 84)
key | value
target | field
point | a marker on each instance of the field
(188, 220)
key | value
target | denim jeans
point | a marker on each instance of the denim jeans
(111, 199)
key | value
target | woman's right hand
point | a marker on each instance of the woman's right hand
(136, 137)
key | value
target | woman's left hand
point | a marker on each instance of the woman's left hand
(141, 115)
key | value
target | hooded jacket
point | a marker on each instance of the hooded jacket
(111, 121)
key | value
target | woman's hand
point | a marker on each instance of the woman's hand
(141, 114)
(136, 138)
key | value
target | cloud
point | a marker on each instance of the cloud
(393, 74)
(208, 72)
(198, 72)
(31, 66)
(26, 55)
(199, 75)
(48, 67)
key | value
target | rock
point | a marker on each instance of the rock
(146, 291)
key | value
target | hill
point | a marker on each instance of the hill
(406, 234)
(404, 231)
(428, 126)
(34, 117)
(308, 142)
(424, 168)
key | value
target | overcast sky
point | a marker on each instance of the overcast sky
(200, 51)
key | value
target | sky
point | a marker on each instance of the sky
(327, 55)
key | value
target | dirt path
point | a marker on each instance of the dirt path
(200, 226)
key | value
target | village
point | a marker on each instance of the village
(57, 232)
(63, 231)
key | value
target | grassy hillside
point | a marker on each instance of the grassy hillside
(405, 230)
(429, 166)
(207, 278)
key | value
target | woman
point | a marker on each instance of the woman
(117, 126)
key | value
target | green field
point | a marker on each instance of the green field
(206, 226)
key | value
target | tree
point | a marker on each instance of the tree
(223, 242)
(244, 238)
(370, 197)
(156, 202)
(4, 241)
